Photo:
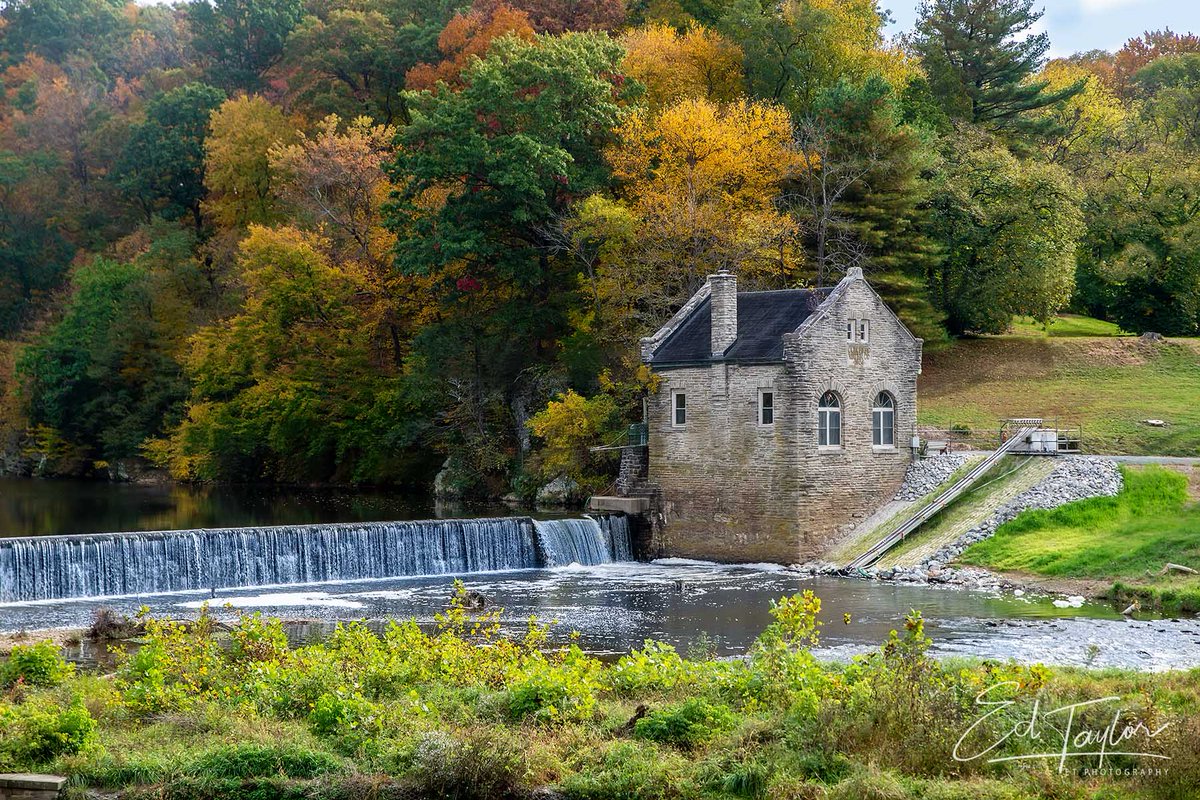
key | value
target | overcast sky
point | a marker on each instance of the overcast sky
(1076, 25)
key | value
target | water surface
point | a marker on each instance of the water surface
(617, 606)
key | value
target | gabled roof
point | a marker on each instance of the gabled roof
(763, 319)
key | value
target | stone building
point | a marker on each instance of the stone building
(781, 420)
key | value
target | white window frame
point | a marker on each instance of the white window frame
(762, 408)
(826, 413)
(851, 329)
(864, 330)
(676, 408)
(879, 412)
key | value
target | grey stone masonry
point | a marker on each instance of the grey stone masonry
(22, 786)
(737, 488)
(724, 312)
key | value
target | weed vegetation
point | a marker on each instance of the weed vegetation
(206, 711)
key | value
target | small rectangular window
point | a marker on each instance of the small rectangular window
(766, 407)
(864, 330)
(850, 330)
(679, 409)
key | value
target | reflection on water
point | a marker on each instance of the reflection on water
(32, 507)
(617, 606)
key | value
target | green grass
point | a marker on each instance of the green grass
(1109, 386)
(1064, 325)
(1127, 538)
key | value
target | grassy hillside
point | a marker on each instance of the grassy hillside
(1127, 538)
(1109, 385)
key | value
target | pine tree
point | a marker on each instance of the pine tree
(980, 64)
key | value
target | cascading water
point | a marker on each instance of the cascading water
(583, 541)
(107, 565)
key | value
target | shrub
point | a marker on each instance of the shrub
(249, 760)
(656, 667)
(688, 724)
(557, 691)
(32, 734)
(630, 771)
(35, 665)
(487, 766)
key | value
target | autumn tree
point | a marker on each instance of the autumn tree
(468, 36)
(981, 58)
(286, 389)
(1142, 50)
(1085, 126)
(699, 187)
(561, 16)
(334, 183)
(696, 64)
(237, 173)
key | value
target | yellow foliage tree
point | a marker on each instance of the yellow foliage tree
(1087, 123)
(854, 42)
(697, 64)
(699, 189)
(237, 172)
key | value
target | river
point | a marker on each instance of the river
(613, 606)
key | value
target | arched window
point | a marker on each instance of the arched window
(883, 421)
(829, 421)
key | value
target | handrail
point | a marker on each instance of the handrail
(877, 550)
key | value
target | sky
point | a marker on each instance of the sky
(1078, 25)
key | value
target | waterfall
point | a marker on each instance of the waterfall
(584, 541)
(116, 564)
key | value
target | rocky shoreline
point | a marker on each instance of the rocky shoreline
(1074, 478)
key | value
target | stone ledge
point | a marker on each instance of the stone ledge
(20, 780)
(628, 505)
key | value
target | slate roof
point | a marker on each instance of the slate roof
(763, 319)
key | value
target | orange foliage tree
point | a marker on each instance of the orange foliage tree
(465, 37)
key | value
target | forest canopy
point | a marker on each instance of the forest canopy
(375, 241)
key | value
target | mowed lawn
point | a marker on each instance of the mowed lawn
(1129, 538)
(1065, 325)
(1108, 385)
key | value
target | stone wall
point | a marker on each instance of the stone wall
(733, 490)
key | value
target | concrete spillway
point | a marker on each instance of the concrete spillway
(122, 564)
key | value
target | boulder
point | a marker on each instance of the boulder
(559, 492)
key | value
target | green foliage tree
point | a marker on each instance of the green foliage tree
(861, 199)
(483, 176)
(161, 168)
(1010, 230)
(981, 64)
(241, 39)
(55, 29)
(105, 375)
(350, 57)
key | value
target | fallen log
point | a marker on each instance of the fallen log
(1169, 567)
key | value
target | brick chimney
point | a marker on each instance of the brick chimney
(723, 301)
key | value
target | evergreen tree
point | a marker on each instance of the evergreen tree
(980, 65)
